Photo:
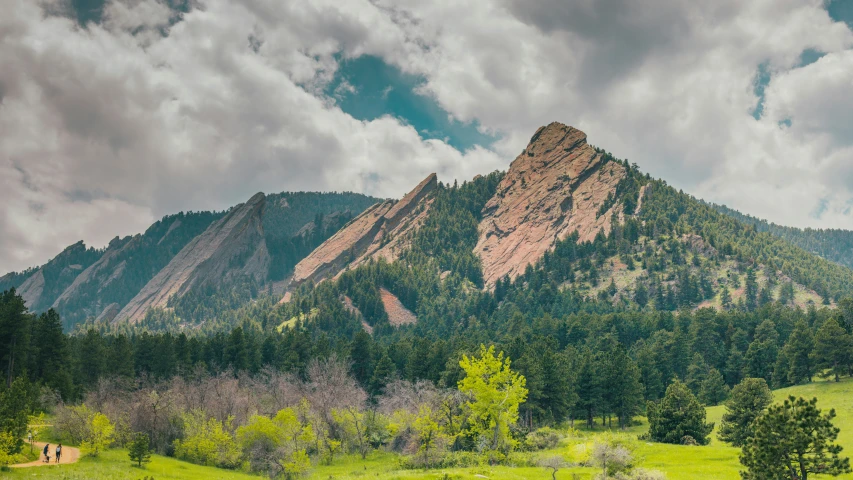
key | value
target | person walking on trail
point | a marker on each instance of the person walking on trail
(58, 452)
(46, 453)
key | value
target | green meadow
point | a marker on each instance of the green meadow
(714, 461)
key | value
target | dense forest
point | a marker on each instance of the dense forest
(830, 243)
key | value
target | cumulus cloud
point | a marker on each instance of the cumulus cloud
(109, 126)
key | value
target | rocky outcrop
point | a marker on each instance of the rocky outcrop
(109, 313)
(398, 314)
(557, 186)
(230, 247)
(380, 231)
(32, 288)
(105, 270)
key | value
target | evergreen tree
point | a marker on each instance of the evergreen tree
(713, 389)
(799, 349)
(590, 387)
(624, 392)
(792, 441)
(641, 295)
(677, 416)
(833, 352)
(360, 355)
(761, 354)
(751, 290)
(139, 449)
(382, 374)
(748, 400)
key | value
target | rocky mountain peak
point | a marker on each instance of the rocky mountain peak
(380, 231)
(556, 186)
(231, 246)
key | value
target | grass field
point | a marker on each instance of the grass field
(713, 462)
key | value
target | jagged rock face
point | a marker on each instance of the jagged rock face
(380, 231)
(106, 270)
(32, 288)
(232, 246)
(555, 187)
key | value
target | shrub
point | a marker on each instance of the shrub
(542, 439)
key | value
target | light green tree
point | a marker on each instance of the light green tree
(430, 436)
(99, 437)
(495, 392)
(207, 442)
(277, 446)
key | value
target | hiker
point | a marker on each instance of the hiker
(46, 453)
(58, 452)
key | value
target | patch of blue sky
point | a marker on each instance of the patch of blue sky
(841, 11)
(367, 88)
(762, 79)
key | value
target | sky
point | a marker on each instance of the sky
(114, 113)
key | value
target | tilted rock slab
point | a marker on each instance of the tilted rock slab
(232, 246)
(555, 187)
(380, 231)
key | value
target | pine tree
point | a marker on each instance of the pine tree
(382, 374)
(793, 441)
(677, 416)
(624, 392)
(139, 449)
(833, 350)
(641, 295)
(748, 400)
(725, 297)
(714, 389)
(799, 349)
(751, 290)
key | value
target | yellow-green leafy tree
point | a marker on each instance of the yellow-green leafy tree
(100, 435)
(207, 441)
(494, 394)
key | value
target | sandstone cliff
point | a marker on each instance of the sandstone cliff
(232, 246)
(47, 282)
(556, 186)
(380, 231)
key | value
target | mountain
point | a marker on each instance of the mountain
(380, 231)
(567, 227)
(117, 282)
(232, 246)
(833, 244)
(41, 286)
(126, 265)
(556, 186)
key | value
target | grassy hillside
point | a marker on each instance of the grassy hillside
(716, 461)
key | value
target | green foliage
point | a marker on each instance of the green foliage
(792, 441)
(99, 437)
(677, 416)
(278, 445)
(833, 352)
(495, 393)
(207, 442)
(14, 407)
(749, 399)
(139, 449)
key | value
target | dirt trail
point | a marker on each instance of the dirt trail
(69, 455)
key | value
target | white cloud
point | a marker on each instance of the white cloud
(116, 124)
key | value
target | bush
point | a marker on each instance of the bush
(542, 439)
